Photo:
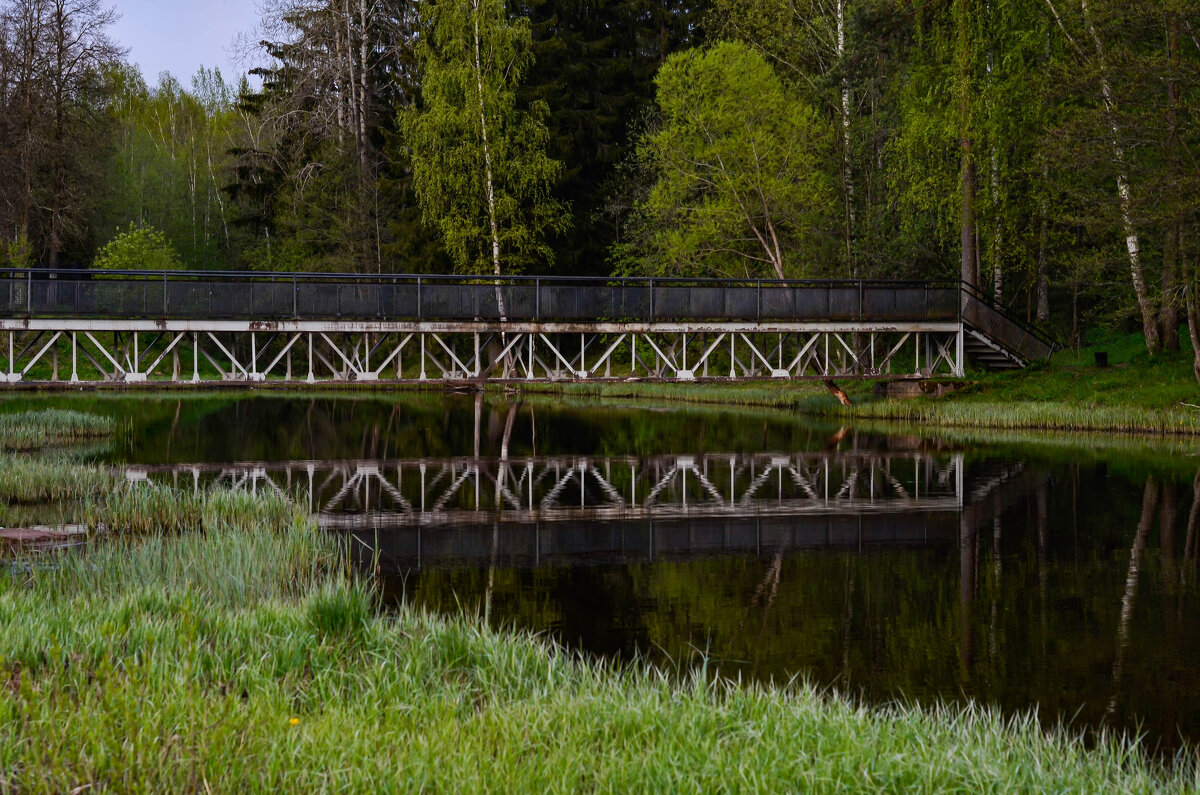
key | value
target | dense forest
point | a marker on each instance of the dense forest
(1044, 151)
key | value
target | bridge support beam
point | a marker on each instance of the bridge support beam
(134, 351)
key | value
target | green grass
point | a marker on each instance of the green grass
(246, 659)
(31, 430)
(25, 480)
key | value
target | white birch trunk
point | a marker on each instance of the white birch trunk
(847, 170)
(489, 186)
(1132, 245)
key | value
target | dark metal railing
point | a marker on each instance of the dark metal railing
(224, 295)
(1004, 327)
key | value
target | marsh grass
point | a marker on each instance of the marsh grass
(26, 480)
(146, 508)
(31, 430)
(247, 658)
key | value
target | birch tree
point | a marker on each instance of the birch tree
(478, 158)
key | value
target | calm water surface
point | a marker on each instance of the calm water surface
(1024, 573)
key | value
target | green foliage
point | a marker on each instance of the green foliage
(171, 161)
(137, 248)
(479, 160)
(17, 254)
(735, 167)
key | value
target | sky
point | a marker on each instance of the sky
(178, 36)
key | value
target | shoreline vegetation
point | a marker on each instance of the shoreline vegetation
(230, 645)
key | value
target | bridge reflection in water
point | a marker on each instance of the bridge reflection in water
(534, 511)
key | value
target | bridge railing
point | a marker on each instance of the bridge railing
(312, 296)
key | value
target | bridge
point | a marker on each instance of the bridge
(78, 326)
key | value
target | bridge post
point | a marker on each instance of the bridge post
(310, 378)
(13, 376)
(959, 371)
(422, 375)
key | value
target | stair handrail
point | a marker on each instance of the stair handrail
(1053, 343)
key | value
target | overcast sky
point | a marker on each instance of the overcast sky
(179, 36)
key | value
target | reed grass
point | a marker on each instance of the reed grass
(31, 430)
(246, 658)
(26, 480)
(146, 508)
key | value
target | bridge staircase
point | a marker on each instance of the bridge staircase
(995, 338)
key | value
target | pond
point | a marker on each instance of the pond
(1050, 573)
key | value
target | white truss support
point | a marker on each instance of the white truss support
(756, 352)
(395, 354)
(800, 363)
(887, 360)
(286, 349)
(234, 363)
(462, 368)
(853, 356)
(454, 487)
(606, 357)
(46, 347)
(513, 342)
(662, 484)
(560, 358)
(958, 359)
(529, 372)
(169, 347)
(117, 368)
(803, 482)
(351, 367)
(708, 486)
(662, 358)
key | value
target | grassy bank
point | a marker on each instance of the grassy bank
(243, 658)
(31, 430)
(1134, 394)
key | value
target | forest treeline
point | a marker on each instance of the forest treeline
(1042, 150)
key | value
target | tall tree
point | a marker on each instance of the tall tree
(479, 159)
(594, 67)
(53, 66)
(312, 166)
(733, 162)
(813, 45)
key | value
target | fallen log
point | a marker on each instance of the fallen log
(837, 392)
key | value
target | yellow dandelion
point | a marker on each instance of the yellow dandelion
(293, 721)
